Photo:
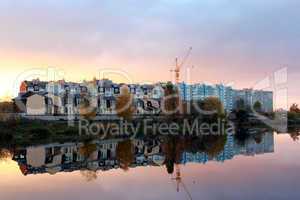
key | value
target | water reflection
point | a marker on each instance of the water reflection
(5, 155)
(166, 151)
(256, 165)
(294, 133)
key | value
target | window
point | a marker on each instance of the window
(57, 150)
(116, 91)
(108, 104)
(83, 89)
(100, 89)
(56, 89)
(36, 88)
(98, 103)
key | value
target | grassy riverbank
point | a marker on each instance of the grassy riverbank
(25, 132)
(22, 132)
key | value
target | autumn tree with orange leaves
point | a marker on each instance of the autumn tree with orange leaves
(124, 104)
(124, 153)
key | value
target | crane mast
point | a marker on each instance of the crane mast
(178, 66)
(178, 179)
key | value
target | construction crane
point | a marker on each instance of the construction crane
(179, 66)
(179, 181)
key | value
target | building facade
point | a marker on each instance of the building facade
(69, 98)
(249, 97)
(227, 95)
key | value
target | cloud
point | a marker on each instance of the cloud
(259, 36)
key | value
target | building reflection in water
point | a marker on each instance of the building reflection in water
(123, 153)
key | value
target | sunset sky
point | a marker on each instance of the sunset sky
(237, 42)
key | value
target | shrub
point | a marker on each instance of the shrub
(67, 132)
(6, 138)
(40, 133)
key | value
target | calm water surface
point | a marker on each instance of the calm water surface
(268, 169)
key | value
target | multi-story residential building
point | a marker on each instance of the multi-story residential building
(35, 86)
(65, 98)
(182, 90)
(265, 98)
(250, 97)
(200, 92)
(245, 95)
(57, 88)
(189, 92)
(227, 95)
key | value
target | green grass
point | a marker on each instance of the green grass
(25, 132)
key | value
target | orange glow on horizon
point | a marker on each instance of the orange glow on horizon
(144, 70)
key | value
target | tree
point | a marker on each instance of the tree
(257, 106)
(89, 175)
(242, 112)
(124, 104)
(213, 104)
(124, 153)
(214, 144)
(241, 135)
(258, 138)
(242, 116)
(240, 105)
(191, 107)
(173, 148)
(5, 155)
(6, 107)
(170, 166)
(169, 148)
(171, 99)
(295, 135)
(87, 149)
(40, 133)
(85, 108)
(294, 114)
(294, 108)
